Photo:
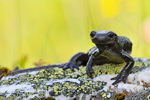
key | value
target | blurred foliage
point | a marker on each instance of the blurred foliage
(40, 63)
(20, 63)
(4, 71)
(54, 30)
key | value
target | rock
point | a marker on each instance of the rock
(56, 84)
(143, 95)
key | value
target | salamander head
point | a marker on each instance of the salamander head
(103, 37)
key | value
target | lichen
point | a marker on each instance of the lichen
(119, 96)
(148, 97)
(56, 81)
(50, 83)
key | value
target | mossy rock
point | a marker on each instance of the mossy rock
(57, 84)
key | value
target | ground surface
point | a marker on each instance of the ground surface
(54, 83)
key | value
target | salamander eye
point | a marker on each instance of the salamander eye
(93, 33)
(111, 34)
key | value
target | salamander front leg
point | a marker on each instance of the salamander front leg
(126, 70)
(76, 61)
(89, 69)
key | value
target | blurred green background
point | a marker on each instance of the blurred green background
(36, 32)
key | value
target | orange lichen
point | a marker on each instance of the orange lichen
(49, 98)
(40, 63)
(119, 96)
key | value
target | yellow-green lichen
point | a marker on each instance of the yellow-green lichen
(103, 94)
(58, 82)
(148, 97)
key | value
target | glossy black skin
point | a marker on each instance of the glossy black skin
(109, 48)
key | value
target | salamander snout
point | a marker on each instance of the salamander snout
(92, 34)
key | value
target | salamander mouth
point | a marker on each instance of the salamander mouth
(104, 45)
(103, 42)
